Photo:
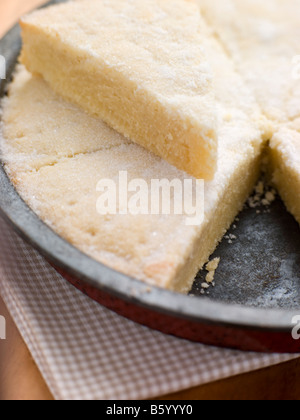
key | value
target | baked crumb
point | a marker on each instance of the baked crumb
(213, 264)
(259, 189)
(211, 267)
(264, 195)
(210, 277)
(270, 196)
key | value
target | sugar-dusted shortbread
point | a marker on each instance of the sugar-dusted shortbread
(285, 166)
(262, 38)
(158, 249)
(139, 65)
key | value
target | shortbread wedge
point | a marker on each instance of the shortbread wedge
(285, 167)
(158, 249)
(262, 37)
(138, 65)
(29, 148)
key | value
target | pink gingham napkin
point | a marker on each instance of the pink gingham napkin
(85, 351)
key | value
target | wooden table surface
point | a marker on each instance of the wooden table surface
(21, 380)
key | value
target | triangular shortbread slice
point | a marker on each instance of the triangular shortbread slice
(285, 167)
(158, 249)
(139, 65)
(66, 125)
(262, 37)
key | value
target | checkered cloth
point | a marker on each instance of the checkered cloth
(85, 351)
